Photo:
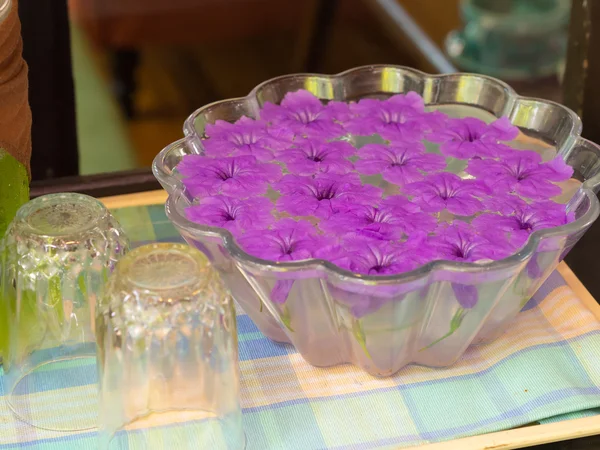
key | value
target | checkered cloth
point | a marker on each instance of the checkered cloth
(545, 366)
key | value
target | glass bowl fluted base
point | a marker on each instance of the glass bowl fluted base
(428, 316)
(420, 322)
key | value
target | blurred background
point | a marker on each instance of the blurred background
(140, 67)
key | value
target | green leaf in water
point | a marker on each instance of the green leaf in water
(454, 325)
(55, 301)
(81, 285)
(286, 318)
(359, 334)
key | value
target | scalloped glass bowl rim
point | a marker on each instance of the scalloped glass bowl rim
(176, 198)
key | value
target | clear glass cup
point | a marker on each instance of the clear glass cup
(167, 354)
(55, 260)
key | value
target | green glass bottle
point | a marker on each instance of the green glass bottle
(14, 192)
(14, 188)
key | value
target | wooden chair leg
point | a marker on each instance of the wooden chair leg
(314, 34)
(124, 65)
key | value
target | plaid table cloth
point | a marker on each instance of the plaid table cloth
(545, 368)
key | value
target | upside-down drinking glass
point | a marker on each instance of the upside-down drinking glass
(55, 260)
(167, 354)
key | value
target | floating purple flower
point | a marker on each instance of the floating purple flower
(460, 242)
(394, 218)
(525, 220)
(239, 176)
(287, 240)
(523, 174)
(245, 137)
(503, 203)
(309, 157)
(448, 191)
(366, 221)
(322, 195)
(372, 257)
(233, 214)
(470, 137)
(414, 220)
(400, 117)
(305, 115)
(400, 163)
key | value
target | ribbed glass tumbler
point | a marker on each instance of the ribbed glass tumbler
(55, 260)
(167, 354)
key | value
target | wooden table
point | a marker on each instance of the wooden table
(579, 432)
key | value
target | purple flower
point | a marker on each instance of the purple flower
(245, 137)
(395, 217)
(372, 257)
(400, 163)
(305, 115)
(322, 195)
(523, 174)
(466, 295)
(366, 221)
(460, 242)
(524, 221)
(400, 117)
(239, 176)
(448, 191)
(309, 157)
(470, 137)
(503, 203)
(414, 220)
(234, 214)
(287, 240)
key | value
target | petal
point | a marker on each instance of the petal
(466, 295)
(402, 175)
(463, 205)
(281, 291)
(371, 166)
(558, 170)
(301, 99)
(535, 188)
(503, 129)
(301, 205)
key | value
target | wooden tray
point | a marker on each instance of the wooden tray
(502, 440)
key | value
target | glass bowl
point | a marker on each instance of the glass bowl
(415, 317)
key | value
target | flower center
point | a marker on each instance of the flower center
(472, 136)
(326, 193)
(316, 158)
(244, 139)
(459, 252)
(287, 247)
(520, 170)
(525, 226)
(229, 213)
(377, 268)
(305, 116)
(446, 193)
(377, 216)
(227, 172)
(392, 117)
